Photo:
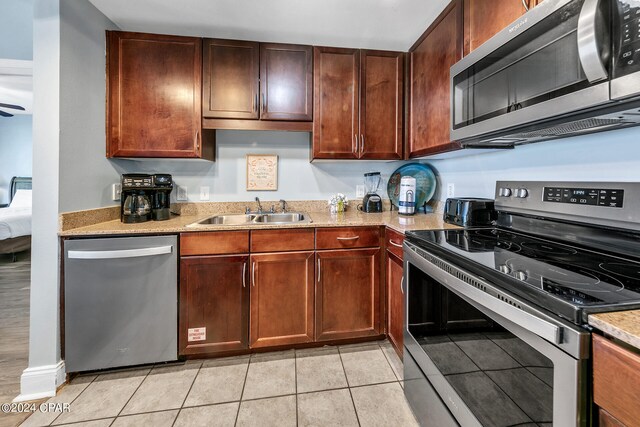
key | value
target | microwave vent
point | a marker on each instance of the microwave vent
(579, 126)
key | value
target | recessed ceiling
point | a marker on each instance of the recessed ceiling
(370, 24)
(16, 85)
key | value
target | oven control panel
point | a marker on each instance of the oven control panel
(584, 196)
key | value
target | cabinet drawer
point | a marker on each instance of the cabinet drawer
(347, 237)
(394, 242)
(214, 243)
(616, 380)
(278, 240)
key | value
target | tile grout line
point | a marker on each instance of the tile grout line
(73, 400)
(187, 395)
(349, 387)
(295, 376)
(134, 392)
(389, 363)
(244, 383)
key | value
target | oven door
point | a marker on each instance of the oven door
(554, 60)
(491, 361)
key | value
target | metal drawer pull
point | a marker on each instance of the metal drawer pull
(318, 270)
(244, 275)
(125, 253)
(253, 273)
(348, 238)
(526, 6)
(397, 245)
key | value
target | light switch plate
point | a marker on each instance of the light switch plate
(204, 193)
(116, 190)
(359, 191)
(181, 193)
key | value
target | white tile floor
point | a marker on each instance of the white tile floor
(351, 385)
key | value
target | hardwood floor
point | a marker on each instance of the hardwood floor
(14, 329)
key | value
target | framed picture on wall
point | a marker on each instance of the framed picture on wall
(262, 172)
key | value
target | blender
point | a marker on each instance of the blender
(372, 202)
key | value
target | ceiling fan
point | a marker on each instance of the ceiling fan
(9, 106)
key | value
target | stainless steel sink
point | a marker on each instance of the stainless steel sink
(254, 219)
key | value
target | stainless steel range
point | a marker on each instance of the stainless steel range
(496, 326)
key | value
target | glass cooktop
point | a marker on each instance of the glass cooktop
(565, 279)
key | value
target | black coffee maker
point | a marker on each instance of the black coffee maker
(145, 197)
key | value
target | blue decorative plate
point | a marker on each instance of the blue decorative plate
(425, 183)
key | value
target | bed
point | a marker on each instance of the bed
(15, 220)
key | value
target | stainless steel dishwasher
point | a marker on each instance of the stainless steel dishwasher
(120, 302)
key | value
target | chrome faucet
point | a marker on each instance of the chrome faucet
(259, 205)
(283, 204)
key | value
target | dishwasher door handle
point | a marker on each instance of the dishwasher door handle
(125, 253)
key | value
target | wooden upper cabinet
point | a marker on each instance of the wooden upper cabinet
(286, 82)
(483, 19)
(358, 98)
(153, 96)
(381, 102)
(231, 76)
(430, 60)
(336, 103)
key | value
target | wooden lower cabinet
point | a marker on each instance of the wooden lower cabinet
(347, 293)
(214, 300)
(394, 287)
(282, 299)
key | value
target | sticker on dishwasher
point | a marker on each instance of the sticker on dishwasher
(197, 334)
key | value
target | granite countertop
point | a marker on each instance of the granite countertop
(623, 325)
(320, 218)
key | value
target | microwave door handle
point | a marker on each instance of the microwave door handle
(588, 51)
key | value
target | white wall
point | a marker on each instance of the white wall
(16, 29)
(85, 173)
(297, 178)
(605, 156)
(15, 151)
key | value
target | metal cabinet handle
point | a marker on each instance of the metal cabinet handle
(588, 52)
(361, 143)
(255, 102)
(124, 253)
(244, 275)
(526, 6)
(253, 274)
(392, 243)
(348, 238)
(402, 285)
(197, 140)
(264, 103)
(354, 146)
(318, 270)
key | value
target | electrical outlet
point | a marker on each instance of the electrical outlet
(451, 190)
(359, 191)
(116, 191)
(204, 193)
(181, 192)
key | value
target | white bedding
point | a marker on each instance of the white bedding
(15, 222)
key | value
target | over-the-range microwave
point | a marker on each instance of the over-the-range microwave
(564, 68)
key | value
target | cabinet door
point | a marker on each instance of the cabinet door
(336, 103)
(381, 104)
(395, 302)
(282, 295)
(347, 294)
(286, 82)
(145, 117)
(483, 19)
(430, 61)
(230, 75)
(214, 298)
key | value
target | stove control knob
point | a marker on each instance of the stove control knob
(522, 193)
(504, 192)
(504, 268)
(520, 275)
